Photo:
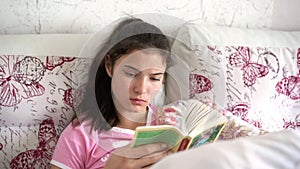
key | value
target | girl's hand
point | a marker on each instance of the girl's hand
(137, 158)
(169, 115)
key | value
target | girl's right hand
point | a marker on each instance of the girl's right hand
(136, 158)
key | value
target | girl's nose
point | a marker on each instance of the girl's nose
(140, 85)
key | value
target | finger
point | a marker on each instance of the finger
(173, 110)
(149, 149)
(149, 160)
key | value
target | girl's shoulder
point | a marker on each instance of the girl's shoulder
(81, 132)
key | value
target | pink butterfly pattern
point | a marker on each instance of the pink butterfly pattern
(198, 84)
(290, 86)
(19, 79)
(54, 61)
(241, 110)
(292, 124)
(41, 156)
(251, 70)
(68, 98)
(72, 97)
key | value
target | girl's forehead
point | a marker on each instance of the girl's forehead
(144, 59)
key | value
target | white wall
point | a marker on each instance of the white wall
(286, 15)
(87, 16)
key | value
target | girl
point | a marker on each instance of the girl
(124, 77)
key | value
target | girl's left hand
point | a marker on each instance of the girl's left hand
(169, 115)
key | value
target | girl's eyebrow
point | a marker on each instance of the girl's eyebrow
(131, 67)
(135, 69)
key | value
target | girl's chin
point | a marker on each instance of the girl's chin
(138, 110)
(139, 107)
(133, 109)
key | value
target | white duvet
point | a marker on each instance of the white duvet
(277, 150)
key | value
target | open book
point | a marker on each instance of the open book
(200, 124)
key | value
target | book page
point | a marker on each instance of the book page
(201, 117)
(196, 112)
(157, 134)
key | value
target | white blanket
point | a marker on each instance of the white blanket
(278, 150)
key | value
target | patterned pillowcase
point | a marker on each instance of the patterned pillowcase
(257, 84)
(36, 105)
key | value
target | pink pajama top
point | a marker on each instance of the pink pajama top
(79, 149)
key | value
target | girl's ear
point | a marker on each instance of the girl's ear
(108, 65)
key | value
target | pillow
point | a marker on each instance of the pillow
(38, 73)
(36, 105)
(252, 73)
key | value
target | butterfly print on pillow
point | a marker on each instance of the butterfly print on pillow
(288, 124)
(242, 110)
(290, 86)
(73, 97)
(68, 97)
(199, 84)
(251, 70)
(54, 61)
(41, 156)
(20, 79)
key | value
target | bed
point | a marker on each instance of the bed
(251, 74)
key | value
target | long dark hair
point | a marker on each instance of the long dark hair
(130, 34)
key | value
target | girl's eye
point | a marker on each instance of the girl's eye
(155, 79)
(130, 74)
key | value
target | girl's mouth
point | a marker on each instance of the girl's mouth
(137, 101)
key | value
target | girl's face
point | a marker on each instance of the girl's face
(136, 79)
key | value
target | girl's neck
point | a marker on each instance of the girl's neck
(132, 120)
